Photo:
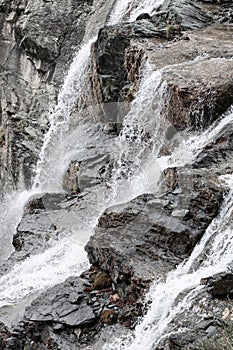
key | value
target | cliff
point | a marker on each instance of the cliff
(144, 238)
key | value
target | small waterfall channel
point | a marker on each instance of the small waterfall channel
(212, 255)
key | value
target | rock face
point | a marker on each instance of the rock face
(183, 13)
(37, 43)
(54, 306)
(139, 240)
(135, 242)
(220, 285)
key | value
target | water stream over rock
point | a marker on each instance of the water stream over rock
(132, 185)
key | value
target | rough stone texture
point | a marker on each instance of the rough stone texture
(63, 304)
(195, 100)
(220, 285)
(148, 236)
(115, 68)
(65, 316)
(218, 153)
(144, 239)
(37, 42)
(189, 83)
(93, 168)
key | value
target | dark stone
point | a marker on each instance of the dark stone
(143, 16)
(150, 235)
(55, 305)
(183, 13)
(46, 201)
(220, 286)
(37, 44)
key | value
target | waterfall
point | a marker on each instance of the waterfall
(137, 165)
(147, 6)
(164, 294)
(64, 256)
(132, 8)
(216, 246)
(136, 168)
(50, 166)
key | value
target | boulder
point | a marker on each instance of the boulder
(181, 12)
(63, 304)
(148, 236)
(220, 285)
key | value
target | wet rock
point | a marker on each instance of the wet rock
(143, 16)
(218, 153)
(182, 12)
(56, 306)
(46, 201)
(111, 80)
(37, 42)
(85, 174)
(220, 286)
(195, 101)
(4, 335)
(141, 239)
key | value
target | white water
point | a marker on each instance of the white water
(11, 213)
(50, 167)
(216, 247)
(136, 167)
(163, 295)
(147, 6)
(136, 171)
(195, 143)
(64, 257)
(129, 10)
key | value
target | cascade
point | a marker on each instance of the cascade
(137, 167)
(141, 138)
(50, 167)
(147, 6)
(132, 9)
(215, 246)
(59, 261)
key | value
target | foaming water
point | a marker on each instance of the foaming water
(11, 213)
(119, 10)
(147, 6)
(129, 10)
(136, 168)
(53, 266)
(194, 144)
(49, 168)
(163, 295)
(65, 255)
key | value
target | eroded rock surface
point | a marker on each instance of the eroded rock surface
(141, 240)
(37, 42)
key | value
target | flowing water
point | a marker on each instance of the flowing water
(60, 261)
(131, 9)
(185, 279)
(137, 167)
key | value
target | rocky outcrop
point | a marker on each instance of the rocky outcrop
(142, 239)
(111, 77)
(183, 13)
(93, 168)
(67, 316)
(192, 93)
(37, 43)
(220, 285)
